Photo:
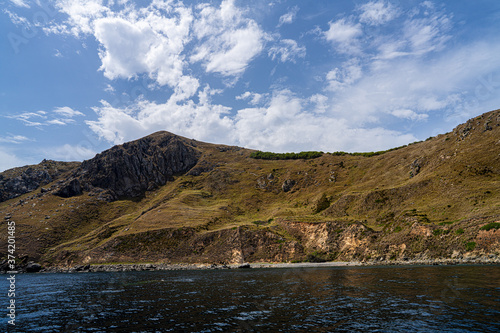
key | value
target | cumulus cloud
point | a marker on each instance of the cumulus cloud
(287, 50)
(81, 16)
(152, 40)
(148, 44)
(287, 122)
(202, 120)
(375, 74)
(228, 40)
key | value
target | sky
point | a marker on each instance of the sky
(79, 76)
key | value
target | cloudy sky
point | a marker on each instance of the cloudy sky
(78, 76)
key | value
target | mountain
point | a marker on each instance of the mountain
(166, 198)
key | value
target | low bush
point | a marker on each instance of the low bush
(470, 246)
(489, 226)
(306, 155)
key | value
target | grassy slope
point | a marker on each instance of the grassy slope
(458, 187)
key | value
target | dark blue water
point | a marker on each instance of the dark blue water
(368, 299)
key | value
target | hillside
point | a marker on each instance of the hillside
(165, 198)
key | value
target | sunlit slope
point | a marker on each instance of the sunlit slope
(430, 198)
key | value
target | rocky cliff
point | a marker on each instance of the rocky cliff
(19, 181)
(164, 198)
(131, 169)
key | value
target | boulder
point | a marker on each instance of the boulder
(287, 185)
(33, 267)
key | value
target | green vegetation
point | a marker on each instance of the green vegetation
(470, 246)
(492, 225)
(323, 203)
(305, 155)
(366, 154)
(437, 232)
(313, 154)
(232, 197)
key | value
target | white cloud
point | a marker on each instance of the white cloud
(20, 3)
(377, 12)
(9, 160)
(344, 35)
(228, 40)
(287, 50)
(288, 17)
(59, 122)
(18, 20)
(81, 16)
(286, 123)
(409, 114)
(202, 120)
(109, 88)
(341, 78)
(151, 45)
(59, 116)
(69, 152)
(443, 85)
(30, 118)
(254, 98)
(428, 33)
(14, 139)
(67, 112)
(420, 34)
(148, 40)
(320, 102)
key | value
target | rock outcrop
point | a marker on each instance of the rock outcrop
(18, 181)
(128, 170)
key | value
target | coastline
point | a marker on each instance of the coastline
(131, 267)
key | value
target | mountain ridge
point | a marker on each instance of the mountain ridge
(166, 198)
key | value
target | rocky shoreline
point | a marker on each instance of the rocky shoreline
(32, 267)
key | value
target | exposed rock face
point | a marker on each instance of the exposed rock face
(128, 170)
(287, 185)
(71, 189)
(24, 180)
(415, 167)
(33, 267)
(28, 181)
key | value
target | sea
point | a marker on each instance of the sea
(326, 299)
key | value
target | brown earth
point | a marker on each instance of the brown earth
(165, 198)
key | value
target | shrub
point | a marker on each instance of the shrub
(470, 246)
(306, 155)
(459, 231)
(437, 232)
(489, 226)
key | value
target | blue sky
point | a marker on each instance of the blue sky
(80, 76)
